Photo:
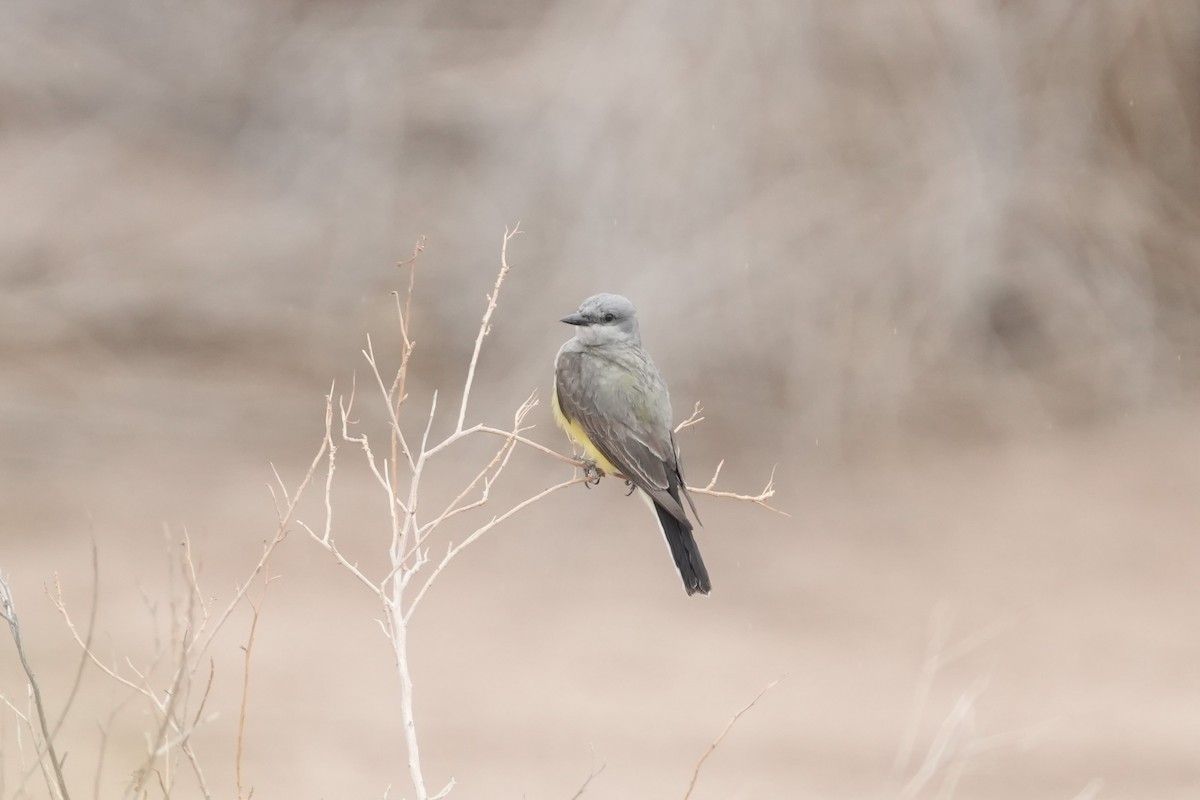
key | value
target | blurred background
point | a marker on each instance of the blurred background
(934, 262)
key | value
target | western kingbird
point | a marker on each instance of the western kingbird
(613, 403)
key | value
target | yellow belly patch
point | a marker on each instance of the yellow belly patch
(579, 437)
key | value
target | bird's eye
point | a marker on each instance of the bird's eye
(608, 317)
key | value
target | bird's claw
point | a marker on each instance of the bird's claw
(592, 472)
(629, 483)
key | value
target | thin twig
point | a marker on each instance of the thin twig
(541, 448)
(161, 742)
(393, 408)
(445, 790)
(241, 733)
(325, 539)
(717, 742)
(595, 771)
(194, 637)
(694, 419)
(8, 612)
(454, 550)
(485, 325)
(88, 637)
(268, 548)
(362, 441)
(39, 761)
(501, 459)
(185, 737)
(331, 448)
(759, 499)
(98, 776)
(405, 315)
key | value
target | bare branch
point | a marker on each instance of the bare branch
(595, 771)
(161, 743)
(8, 612)
(759, 499)
(485, 324)
(389, 479)
(39, 761)
(501, 459)
(393, 406)
(363, 442)
(694, 419)
(193, 583)
(454, 550)
(325, 539)
(194, 627)
(728, 727)
(429, 422)
(269, 547)
(61, 606)
(88, 637)
(526, 442)
(445, 790)
(242, 710)
(399, 391)
(331, 448)
(342, 561)
(454, 509)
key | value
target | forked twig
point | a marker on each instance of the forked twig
(759, 499)
(8, 612)
(454, 550)
(693, 419)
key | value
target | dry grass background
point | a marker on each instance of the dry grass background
(942, 256)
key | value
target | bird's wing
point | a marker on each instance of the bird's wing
(611, 406)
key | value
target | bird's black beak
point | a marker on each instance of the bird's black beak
(575, 319)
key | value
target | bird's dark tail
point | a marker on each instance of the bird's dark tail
(684, 551)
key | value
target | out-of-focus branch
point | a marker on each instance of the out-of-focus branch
(8, 612)
(179, 707)
(242, 710)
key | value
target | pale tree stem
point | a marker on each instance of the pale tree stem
(399, 637)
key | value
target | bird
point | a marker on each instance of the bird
(613, 403)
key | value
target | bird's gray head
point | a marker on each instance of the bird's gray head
(605, 319)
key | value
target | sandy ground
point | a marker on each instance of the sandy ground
(1057, 574)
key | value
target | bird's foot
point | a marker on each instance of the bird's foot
(592, 472)
(629, 483)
